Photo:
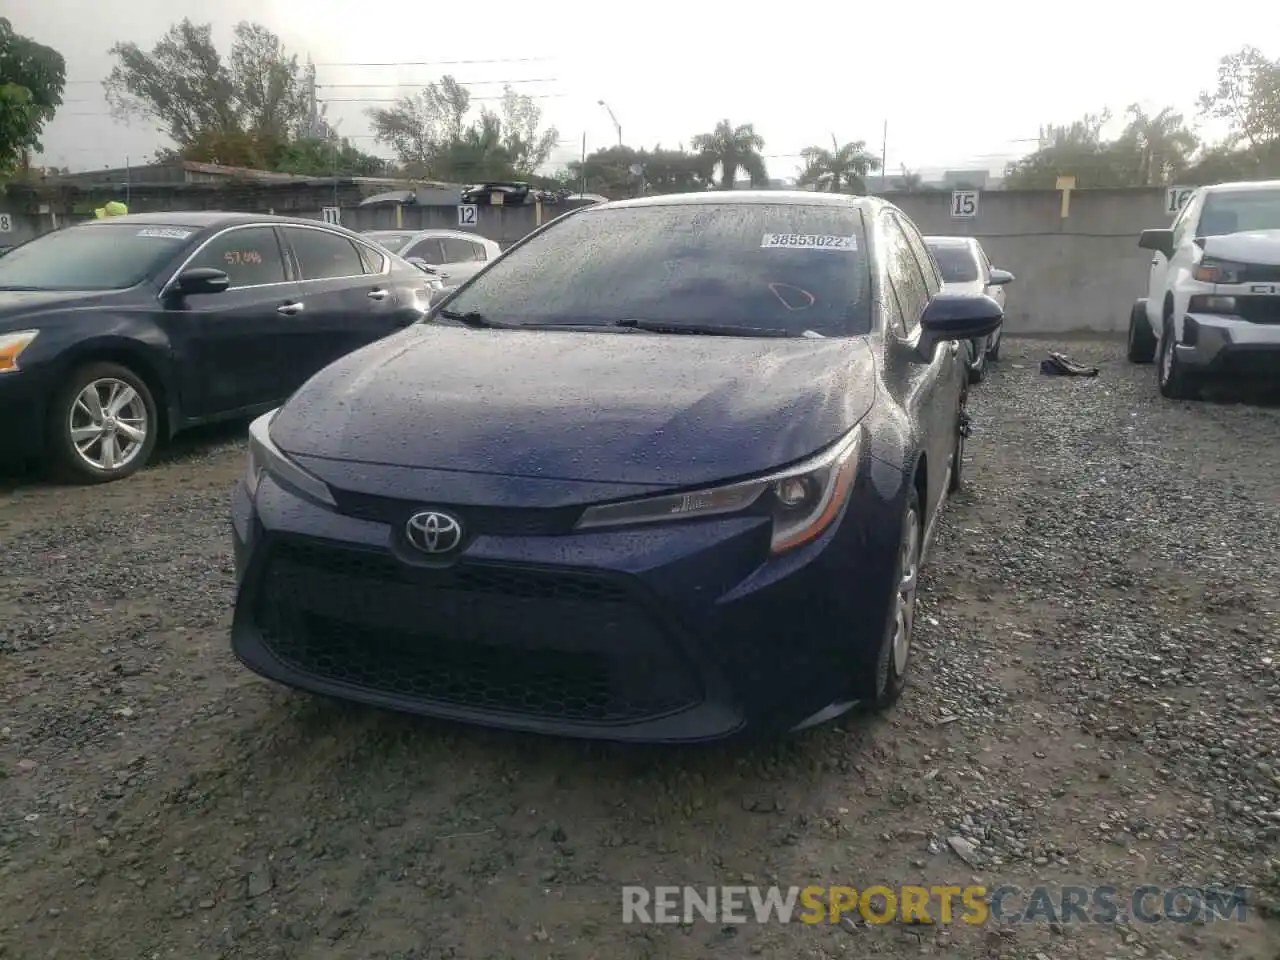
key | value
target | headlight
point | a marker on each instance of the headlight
(1213, 270)
(266, 457)
(11, 345)
(802, 500)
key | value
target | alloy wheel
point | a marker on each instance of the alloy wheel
(905, 596)
(108, 424)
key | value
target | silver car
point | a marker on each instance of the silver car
(452, 255)
(966, 269)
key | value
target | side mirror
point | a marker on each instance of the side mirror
(951, 316)
(1159, 239)
(999, 277)
(201, 280)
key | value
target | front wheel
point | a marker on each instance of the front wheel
(994, 353)
(882, 686)
(102, 424)
(1174, 381)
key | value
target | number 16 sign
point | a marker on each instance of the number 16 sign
(964, 204)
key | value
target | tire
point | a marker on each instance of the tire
(880, 687)
(993, 355)
(1142, 342)
(1174, 381)
(135, 408)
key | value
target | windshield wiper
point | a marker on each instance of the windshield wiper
(471, 318)
(701, 329)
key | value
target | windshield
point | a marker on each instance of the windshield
(392, 241)
(796, 268)
(957, 263)
(1225, 213)
(104, 256)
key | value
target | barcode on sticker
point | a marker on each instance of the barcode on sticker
(808, 241)
(164, 233)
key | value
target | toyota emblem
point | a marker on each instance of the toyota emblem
(433, 532)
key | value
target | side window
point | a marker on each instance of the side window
(250, 257)
(372, 261)
(428, 251)
(928, 269)
(323, 255)
(1185, 222)
(478, 252)
(984, 262)
(904, 269)
(457, 250)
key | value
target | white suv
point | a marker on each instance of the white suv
(1213, 299)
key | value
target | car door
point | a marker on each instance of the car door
(463, 259)
(927, 390)
(1158, 277)
(344, 305)
(993, 290)
(234, 348)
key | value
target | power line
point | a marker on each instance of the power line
(531, 96)
(403, 83)
(440, 63)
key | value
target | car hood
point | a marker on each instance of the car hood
(1254, 246)
(637, 408)
(19, 306)
(968, 288)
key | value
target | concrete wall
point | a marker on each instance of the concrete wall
(1081, 272)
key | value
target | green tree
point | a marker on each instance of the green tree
(1247, 96)
(321, 157)
(420, 125)
(523, 136)
(732, 149)
(32, 78)
(184, 84)
(1076, 149)
(908, 180)
(1153, 149)
(842, 169)
(608, 171)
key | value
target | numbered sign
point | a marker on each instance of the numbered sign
(6, 222)
(964, 204)
(332, 215)
(468, 215)
(1175, 198)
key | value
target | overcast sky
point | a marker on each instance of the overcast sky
(958, 84)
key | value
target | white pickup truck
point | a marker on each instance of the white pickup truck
(1212, 307)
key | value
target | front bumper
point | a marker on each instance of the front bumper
(684, 633)
(24, 399)
(1228, 346)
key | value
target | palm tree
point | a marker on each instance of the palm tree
(732, 149)
(1162, 144)
(838, 170)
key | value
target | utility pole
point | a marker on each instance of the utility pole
(884, 151)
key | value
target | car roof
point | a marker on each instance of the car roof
(1242, 187)
(203, 219)
(797, 198)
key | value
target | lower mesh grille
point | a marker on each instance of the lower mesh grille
(556, 645)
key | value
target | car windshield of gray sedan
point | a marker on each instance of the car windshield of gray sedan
(106, 256)
(957, 263)
(784, 269)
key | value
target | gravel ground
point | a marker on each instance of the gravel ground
(1094, 701)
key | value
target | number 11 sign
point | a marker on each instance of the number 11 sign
(964, 204)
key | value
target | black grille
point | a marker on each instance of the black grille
(1259, 309)
(494, 521)
(1251, 364)
(558, 645)
(1261, 273)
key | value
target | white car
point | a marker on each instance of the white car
(1213, 296)
(966, 269)
(454, 256)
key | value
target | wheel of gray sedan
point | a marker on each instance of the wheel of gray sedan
(883, 687)
(102, 424)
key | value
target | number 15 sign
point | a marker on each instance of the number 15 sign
(964, 204)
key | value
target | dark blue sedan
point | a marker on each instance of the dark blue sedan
(666, 470)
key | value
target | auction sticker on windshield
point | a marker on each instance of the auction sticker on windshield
(165, 233)
(809, 241)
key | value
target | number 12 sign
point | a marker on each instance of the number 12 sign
(468, 215)
(964, 204)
